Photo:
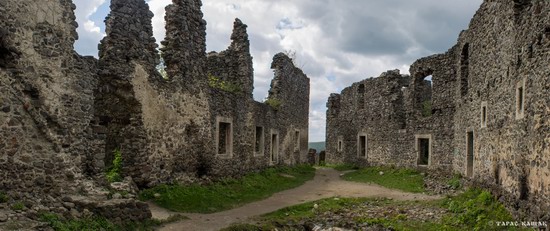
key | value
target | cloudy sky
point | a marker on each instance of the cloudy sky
(336, 42)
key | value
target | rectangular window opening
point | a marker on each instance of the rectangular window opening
(424, 151)
(297, 140)
(484, 114)
(259, 141)
(520, 99)
(274, 148)
(363, 146)
(224, 138)
(470, 154)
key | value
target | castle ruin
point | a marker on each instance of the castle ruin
(63, 116)
(481, 109)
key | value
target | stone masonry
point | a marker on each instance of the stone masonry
(62, 116)
(484, 113)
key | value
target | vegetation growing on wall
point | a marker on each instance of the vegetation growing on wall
(217, 83)
(113, 173)
(273, 103)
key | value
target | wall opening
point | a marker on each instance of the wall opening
(361, 96)
(520, 99)
(470, 154)
(340, 146)
(423, 151)
(297, 140)
(362, 146)
(523, 187)
(7, 56)
(274, 150)
(259, 141)
(464, 69)
(224, 137)
(484, 114)
(423, 145)
(426, 96)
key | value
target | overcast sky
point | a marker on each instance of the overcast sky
(337, 42)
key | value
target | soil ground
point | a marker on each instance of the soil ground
(326, 183)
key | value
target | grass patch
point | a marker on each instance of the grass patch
(228, 193)
(407, 180)
(474, 209)
(95, 223)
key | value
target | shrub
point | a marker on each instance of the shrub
(215, 82)
(3, 197)
(454, 182)
(274, 103)
(113, 173)
(18, 206)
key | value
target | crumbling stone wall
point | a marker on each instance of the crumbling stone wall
(373, 109)
(230, 76)
(508, 44)
(290, 88)
(50, 147)
(63, 115)
(489, 107)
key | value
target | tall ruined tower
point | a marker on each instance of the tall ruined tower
(128, 50)
(184, 47)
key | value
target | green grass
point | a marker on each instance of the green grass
(228, 193)
(95, 223)
(474, 209)
(407, 180)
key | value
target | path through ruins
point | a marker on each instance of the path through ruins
(326, 183)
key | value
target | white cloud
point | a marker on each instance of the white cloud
(88, 32)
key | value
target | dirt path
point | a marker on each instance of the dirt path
(326, 183)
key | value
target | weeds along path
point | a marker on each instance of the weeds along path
(326, 183)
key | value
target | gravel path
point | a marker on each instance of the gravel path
(326, 183)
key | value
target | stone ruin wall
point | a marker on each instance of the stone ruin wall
(508, 46)
(63, 115)
(505, 48)
(48, 144)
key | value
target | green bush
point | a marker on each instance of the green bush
(454, 182)
(113, 173)
(215, 82)
(18, 206)
(3, 197)
(274, 103)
